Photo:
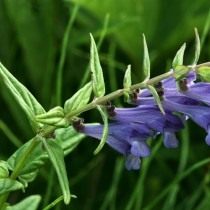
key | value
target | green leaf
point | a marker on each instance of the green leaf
(68, 138)
(8, 185)
(204, 73)
(146, 61)
(127, 83)
(21, 94)
(156, 97)
(105, 130)
(4, 172)
(28, 177)
(178, 59)
(31, 202)
(56, 156)
(205, 29)
(96, 70)
(38, 52)
(54, 117)
(127, 78)
(197, 47)
(32, 164)
(79, 99)
(22, 91)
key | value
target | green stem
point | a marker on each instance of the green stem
(176, 181)
(116, 94)
(51, 205)
(10, 135)
(63, 54)
(120, 92)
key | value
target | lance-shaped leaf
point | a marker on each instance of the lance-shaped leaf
(22, 95)
(127, 78)
(178, 59)
(67, 138)
(21, 91)
(146, 60)
(105, 130)
(156, 97)
(127, 82)
(8, 185)
(56, 156)
(54, 117)
(96, 70)
(31, 202)
(35, 160)
(197, 48)
(204, 72)
(79, 99)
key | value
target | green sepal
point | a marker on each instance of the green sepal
(105, 130)
(79, 99)
(156, 97)
(204, 73)
(179, 57)
(96, 70)
(30, 202)
(8, 185)
(180, 72)
(56, 155)
(146, 60)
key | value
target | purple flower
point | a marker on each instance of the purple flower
(128, 139)
(131, 127)
(151, 116)
(171, 81)
(199, 91)
(188, 102)
(199, 114)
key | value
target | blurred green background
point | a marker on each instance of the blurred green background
(32, 33)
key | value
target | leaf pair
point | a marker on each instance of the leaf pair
(22, 95)
(146, 68)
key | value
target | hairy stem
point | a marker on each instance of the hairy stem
(116, 94)
(120, 92)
